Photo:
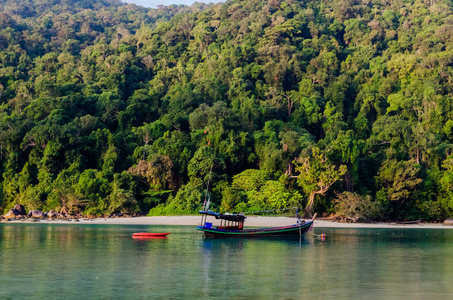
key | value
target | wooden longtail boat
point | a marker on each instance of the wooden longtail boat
(232, 225)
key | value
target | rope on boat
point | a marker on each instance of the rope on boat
(322, 236)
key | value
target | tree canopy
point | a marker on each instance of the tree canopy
(110, 107)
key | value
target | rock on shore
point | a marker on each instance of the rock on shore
(37, 214)
(13, 214)
(448, 222)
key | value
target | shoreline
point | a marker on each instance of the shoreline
(252, 221)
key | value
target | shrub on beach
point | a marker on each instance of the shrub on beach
(356, 207)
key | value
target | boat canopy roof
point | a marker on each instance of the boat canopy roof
(228, 217)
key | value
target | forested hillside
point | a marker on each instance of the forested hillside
(338, 106)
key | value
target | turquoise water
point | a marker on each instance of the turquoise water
(42, 261)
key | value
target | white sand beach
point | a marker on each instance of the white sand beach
(251, 221)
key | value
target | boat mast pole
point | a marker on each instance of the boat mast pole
(209, 199)
(299, 223)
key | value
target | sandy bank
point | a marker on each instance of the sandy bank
(251, 221)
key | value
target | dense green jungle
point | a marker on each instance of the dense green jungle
(340, 107)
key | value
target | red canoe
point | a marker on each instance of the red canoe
(147, 238)
(149, 234)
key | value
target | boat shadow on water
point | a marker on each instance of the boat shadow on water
(240, 242)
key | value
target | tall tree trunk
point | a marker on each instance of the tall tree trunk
(348, 181)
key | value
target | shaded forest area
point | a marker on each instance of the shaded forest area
(341, 106)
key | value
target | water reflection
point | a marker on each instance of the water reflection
(100, 262)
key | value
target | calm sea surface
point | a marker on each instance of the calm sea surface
(42, 261)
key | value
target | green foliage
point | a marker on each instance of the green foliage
(317, 175)
(361, 96)
(253, 191)
(250, 180)
(188, 200)
(399, 178)
(2, 199)
(121, 199)
(33, 198)
(272, 195)
(201, 164)
(231, 199)
(447, 186)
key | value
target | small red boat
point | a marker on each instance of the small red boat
(149, 234)
(148, 238)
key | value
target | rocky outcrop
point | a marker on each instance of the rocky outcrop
(51, 214)
(18, 212)
(37, 214)
(20, 209)
(12, 214)
(448, 222)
